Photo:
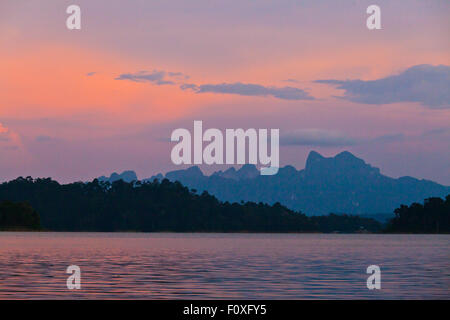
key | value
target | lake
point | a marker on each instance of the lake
(223, 266)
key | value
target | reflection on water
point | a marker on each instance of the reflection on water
(227, 266)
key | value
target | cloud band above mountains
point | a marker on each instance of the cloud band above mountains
(425, 84)
(317, 137)
(313, 137)
(155, 77)
(249, 89)
(158, 77)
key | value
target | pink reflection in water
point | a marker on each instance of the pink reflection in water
(222, 266)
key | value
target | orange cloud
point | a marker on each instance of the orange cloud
(53, 82)
(9, 140)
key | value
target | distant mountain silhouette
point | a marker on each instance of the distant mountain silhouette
(247, 171)
(340, 184)
(126, 176)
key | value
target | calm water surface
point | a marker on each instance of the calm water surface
(223, 266)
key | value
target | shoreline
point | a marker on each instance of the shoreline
(221, 232)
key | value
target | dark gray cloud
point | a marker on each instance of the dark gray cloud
(426, 84)
(160, 77)
(187, 86)
(317, 137)
(330, 138)
(179, 75)
(90, 74)
(436, 132)
(249, 89)
(389, 138)
(155, 77)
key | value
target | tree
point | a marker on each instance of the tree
(18, 216)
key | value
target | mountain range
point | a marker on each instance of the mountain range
(340, 184)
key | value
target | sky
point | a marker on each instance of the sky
(78, 104)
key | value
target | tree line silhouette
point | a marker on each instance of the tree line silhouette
(431, 217)
(161, 206)
(20, 215)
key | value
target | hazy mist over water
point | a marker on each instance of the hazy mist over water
(223, 266)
